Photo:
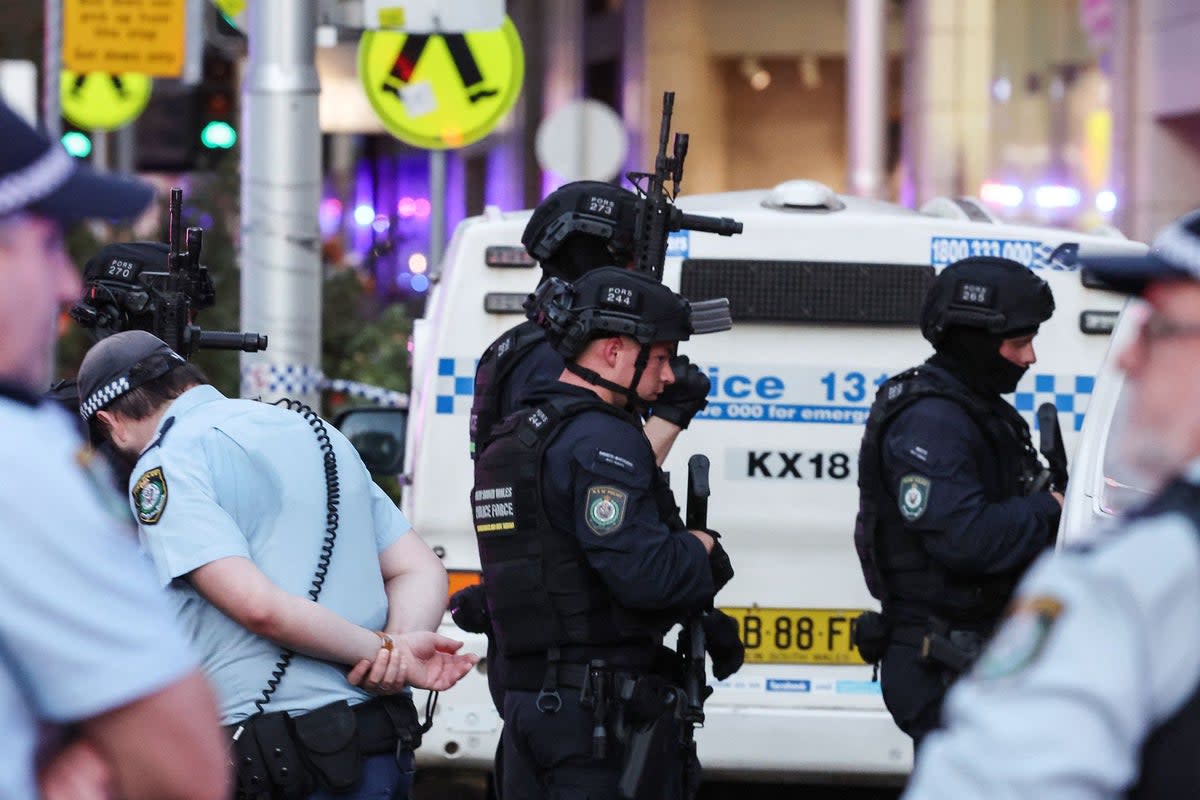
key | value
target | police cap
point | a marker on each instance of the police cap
(119, 364)
(1174, 256)
(613, 301)
(592, 208)
(995, 294)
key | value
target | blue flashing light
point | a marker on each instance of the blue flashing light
(420, 283)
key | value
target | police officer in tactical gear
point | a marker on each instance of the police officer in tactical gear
(586, 563)
(951, 511)
(578, 227)
(1091, 687)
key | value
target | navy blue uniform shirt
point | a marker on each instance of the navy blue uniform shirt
(960, 494)
(597, 482)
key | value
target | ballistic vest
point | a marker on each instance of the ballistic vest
(1168, 768)
(895, 565)
(495, 365)
(541, 591)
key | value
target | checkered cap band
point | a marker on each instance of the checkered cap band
(103, 396)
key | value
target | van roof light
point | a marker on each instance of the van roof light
(803, 195)
(966, 209)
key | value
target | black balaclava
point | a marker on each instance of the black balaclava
(974, 355)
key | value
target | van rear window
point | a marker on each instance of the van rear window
(811, 291)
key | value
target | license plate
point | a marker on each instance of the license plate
(797, 635)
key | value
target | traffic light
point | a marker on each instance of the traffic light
(166, 130)
(217, 93)
(77, 143)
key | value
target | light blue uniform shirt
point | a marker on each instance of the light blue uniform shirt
(244, 478)
(84, 628)
(1100, 649)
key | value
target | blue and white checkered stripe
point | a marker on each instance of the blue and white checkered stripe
(283, 379)
(1053, 256)
(376, 394)
(1069, 393)
(103, 396)
(296, 379)
(455, 384)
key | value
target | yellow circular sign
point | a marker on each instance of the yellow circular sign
(99, 101)
(444, 90)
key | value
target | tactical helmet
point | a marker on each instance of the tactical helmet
(591, 208)
(610, 301)
(998, 295)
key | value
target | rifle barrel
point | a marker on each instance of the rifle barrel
(722, 226)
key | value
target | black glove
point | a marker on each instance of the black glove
(719, 563)
(468, 607)
(723, 643)
(686, 397)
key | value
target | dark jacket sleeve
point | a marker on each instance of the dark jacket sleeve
(644, 563)
(937, 441)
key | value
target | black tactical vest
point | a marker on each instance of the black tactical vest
(541, 591)
(494, 367)
(895, 565)
(1169, 767)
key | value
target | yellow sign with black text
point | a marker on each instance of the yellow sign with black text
(444, 90)
(100, 101)
(120, 36)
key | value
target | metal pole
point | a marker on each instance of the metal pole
(126, 149)
(51, 67)
(866, 92)
(281, 189)
(437, 212)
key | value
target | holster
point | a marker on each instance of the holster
(952, 650)
(328, 740)
(406, 723)
(651, 737)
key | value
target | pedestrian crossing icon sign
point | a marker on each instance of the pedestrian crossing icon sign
(441, 91)
(100, 101)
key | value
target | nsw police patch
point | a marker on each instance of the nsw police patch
(150, 496)
(605, 509)
(1021, 638)
(913, 496)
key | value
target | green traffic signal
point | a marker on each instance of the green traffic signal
(218, 135)
(77, 144)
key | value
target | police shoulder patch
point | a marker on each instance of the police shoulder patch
(604, 509)
(913, 496)
(150, 496)
(1021, 637)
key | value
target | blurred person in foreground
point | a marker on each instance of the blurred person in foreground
(99, 694)
(1091, 688)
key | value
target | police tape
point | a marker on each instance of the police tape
(291, 379)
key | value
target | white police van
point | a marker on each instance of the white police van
(1102, 484)
(824, 291)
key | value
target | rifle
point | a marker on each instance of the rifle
(683, 707)
(1051, 446)
(657, 215)
(163, 303)
(691, 645)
